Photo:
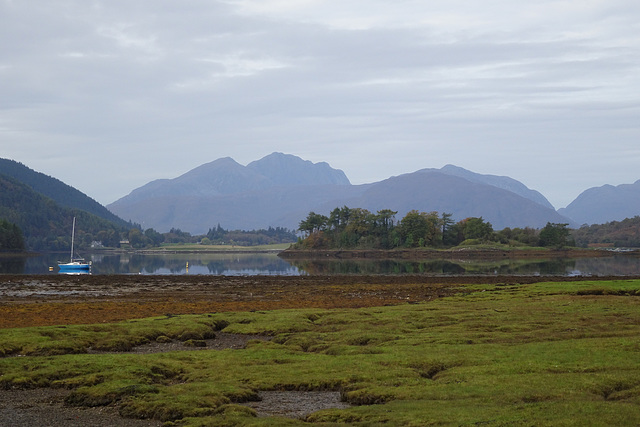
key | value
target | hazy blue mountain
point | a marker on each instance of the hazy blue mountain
(235, 196)
(599, 205)
(288, 170)
(432, 190)
(503, 182)
(222, 176)
(276, 206)
(226, 176)
(280, 190)
(61, 193)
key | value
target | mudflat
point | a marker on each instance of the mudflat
(39, 300)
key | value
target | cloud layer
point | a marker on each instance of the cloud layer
(108, 95)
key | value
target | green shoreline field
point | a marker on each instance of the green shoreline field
(552, 353)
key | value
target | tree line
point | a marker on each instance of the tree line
(357, 228)
(215, 236)
(11, 238)
(50, 231)
(624, 233)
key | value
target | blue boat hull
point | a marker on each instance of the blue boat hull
(74, 267)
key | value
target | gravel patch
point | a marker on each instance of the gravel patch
(45, 407)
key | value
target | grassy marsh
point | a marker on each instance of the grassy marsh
(544, 353)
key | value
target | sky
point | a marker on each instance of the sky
(109, 95)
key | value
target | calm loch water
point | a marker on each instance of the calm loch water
(270, 264)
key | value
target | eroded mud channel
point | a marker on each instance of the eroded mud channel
(296, 404)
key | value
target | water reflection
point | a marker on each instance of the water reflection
(12, 264)
(270, 264)
(218, 264)
(610, 266)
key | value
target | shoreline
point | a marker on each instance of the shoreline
(410, 254)
(454, 253)
(39, 300)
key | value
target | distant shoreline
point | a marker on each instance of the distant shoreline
(455, 253)
(409, 254)
(243, 250)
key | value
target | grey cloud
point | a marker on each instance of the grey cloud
(129, 84)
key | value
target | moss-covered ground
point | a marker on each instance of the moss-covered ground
(500, 354)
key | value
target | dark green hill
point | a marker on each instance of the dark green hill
(625, 233)
(64, 195)
(46, 226)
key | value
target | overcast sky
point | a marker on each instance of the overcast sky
(109, 95)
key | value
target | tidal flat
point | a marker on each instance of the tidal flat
(394, 350)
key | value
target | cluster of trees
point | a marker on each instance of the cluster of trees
(215, 236)
(11, 239)
(271, 235)
(625, 233)
(351, 228)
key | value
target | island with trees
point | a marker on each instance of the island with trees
(357, 229)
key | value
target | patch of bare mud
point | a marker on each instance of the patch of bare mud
(222, 341)
(295, 404)
(45, 407)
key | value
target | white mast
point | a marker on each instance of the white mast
(73, 231)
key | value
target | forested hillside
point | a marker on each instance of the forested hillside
(11, 238)
(46, 225)
(62, 194)
(625, 233)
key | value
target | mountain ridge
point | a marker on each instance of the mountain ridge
(504, 182)
(281, 189)
(503, 208)
(61, 193)
(280, 167)
(599, 205)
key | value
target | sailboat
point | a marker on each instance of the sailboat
(74, 264)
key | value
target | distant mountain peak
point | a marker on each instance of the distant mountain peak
(599, 205)
(224, 177)
(289, 170)
(503, 182)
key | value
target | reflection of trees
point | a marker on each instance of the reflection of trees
(556, 266)
(444, 267)
(176, 263)
(613, 266)
(259, 264)
(378, 267)
(12, 265)
(264, 264)
(216, 267)
(271, 264)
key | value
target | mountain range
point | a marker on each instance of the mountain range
(281, 189)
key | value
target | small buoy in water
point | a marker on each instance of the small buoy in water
(50, 268)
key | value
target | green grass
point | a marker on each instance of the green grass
(57, 340)
(540, 354)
